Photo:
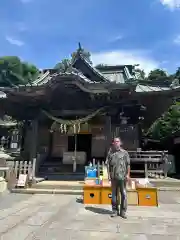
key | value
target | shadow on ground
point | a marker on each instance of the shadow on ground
(93, 209)
(98, 210)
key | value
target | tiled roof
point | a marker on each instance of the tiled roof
(117, 77)
(93, 69)
(113, 77)
(147, 88)
(118, 74)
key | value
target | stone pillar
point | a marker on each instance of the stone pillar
(33, 146)
(75, 154)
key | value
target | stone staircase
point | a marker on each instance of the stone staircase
(57, 171)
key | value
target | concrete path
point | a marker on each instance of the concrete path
(52, 217)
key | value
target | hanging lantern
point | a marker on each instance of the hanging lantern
(124, 120)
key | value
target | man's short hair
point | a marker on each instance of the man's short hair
(118, 139)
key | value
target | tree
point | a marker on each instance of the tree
(66, 63)
(157, 74)
(167, 124)
(7, 76)
(176, 75)
(13, 72)
(29, 72)
(140, 74)
(63, 65)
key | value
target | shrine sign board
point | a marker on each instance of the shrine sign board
(22, 180)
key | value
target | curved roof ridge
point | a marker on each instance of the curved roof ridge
(148, 88)
(79, 55)
(41, 77)
(128, 74)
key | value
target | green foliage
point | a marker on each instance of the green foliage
(29, 72)
(176, 75)
(63, 65)
(140, 74)
(167, 124)
(14, 72)
(85, 54)
(66, 63)
(157, 74)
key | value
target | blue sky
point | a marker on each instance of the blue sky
(114, 31)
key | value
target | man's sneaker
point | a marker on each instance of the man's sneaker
(114, 214)
(123, 215)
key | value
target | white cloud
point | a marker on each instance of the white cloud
(14, 41)
(116, 38)
(177, 40)
(172, 4)
(122, 57)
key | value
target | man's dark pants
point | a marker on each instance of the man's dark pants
(119, 189)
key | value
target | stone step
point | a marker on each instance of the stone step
(68, 191)
(68, 174)
(62, 173)
(76, 187)
(60, 169)
(65, 186)
(78, 184)
(62, 176)
(50, 185)
(46, 191)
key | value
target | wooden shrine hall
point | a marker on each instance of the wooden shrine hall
(72, 116)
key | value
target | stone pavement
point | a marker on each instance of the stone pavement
(54, 217)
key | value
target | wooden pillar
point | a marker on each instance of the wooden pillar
(108, 134)
(33, 147)
(140, 134)
(50, 144)
(23, 137)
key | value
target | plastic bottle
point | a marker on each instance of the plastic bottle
(101, 179)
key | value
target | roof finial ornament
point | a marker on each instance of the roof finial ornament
(79, 48)
(79, 51)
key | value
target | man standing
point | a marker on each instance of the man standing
(118, 165)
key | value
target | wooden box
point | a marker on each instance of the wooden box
(92, 194)
(147, 197)
(132, 197)
(106, 196)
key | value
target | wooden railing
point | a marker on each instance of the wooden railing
(20, 167)
(154, 164)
